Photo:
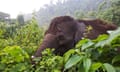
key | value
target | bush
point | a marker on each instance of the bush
(99, 55)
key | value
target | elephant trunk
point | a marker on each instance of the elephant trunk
(49, 41)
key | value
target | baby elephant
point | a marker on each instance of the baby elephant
(64, 32)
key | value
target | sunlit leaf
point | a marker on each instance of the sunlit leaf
(68, 54)
(96, 66)
(87, 64)
(108, 41)
(86, 45)
(73, 61)
(109, 68)
(113, 35)
(81, 42)
(101, 37)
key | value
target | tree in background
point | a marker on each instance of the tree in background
(65, 7)
(20, 19)
(108, 10)
(112, 13)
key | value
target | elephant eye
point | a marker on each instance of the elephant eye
(61, 37)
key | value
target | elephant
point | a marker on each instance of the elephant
(64, 32)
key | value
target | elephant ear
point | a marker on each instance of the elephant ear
(80, 31)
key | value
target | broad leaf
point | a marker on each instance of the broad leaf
(73, 61)
(87, 64)
(116, 59)
(68, 54)
(86, 45)
(96, 66)
(101, 37)
(109, 68)
(81, 42)
(100, 43)
(108, 41)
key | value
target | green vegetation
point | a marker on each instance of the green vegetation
(112, 13)
(18, 43)
(99, 55)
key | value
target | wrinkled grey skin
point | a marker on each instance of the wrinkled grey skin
(69, 33)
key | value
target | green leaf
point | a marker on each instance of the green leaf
(96, 66)
(15, 53)
(109, 68)
(117, 69)
(86, 45)
(101, 37)
(68, 54)
(2, 66)
(109, 40)
(100, 43)
(81, 42)
(81, 68)
(56, 70)
(87, 64)
(113, 35)
(116, 59)
(73, 61)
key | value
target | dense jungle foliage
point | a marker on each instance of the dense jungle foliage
(19, 41)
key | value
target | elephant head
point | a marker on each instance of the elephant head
(60, 35)
(64, 32)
